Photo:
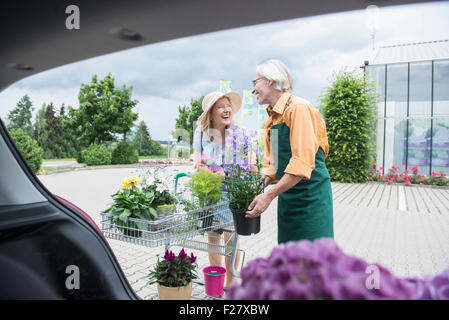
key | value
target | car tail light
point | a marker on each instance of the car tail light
(80, 211)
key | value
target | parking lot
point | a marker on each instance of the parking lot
(406, 229)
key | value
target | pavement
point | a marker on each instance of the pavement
(405, 229)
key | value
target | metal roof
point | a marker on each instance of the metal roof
(422, 51)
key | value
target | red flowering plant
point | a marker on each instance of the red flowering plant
(409, 177)
(174, 271)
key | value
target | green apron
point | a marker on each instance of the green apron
(305, 211)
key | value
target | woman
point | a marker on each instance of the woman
(295, 149)
(209, 153)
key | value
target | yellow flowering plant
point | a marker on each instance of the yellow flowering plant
(131, 202)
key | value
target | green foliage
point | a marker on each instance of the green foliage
(104, 111)
(132, 202)
(49, 132)
(161, 195)
(97, 154)
(188, 115)
(349, 110)
(28, 147)
(157, 149)
(142, 140)
(20, 116)
(242, 186)
(124, 152)
(206, 187)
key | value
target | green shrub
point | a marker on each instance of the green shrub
(157, 149)
(96, 154)
(124, 152)
(79, 156)
(206, 187)
(28, 147)
(350, 114)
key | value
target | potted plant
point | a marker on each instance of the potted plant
(131, 202)
(242, 187)
(163, 201)
(205, 186)
(242, 184)
(173, 275)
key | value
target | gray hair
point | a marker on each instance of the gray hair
(278, 72)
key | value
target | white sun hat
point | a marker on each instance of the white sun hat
(210, 99)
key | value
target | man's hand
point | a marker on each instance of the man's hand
(259, 205)
(262, 201)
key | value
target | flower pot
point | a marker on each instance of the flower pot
(214, 277)
(205, 220)
(245, 226)
(163, 212)
(129, 229)
(174, 293)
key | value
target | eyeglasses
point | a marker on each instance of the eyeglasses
(255, 80)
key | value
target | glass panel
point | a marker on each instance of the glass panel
(395, 134)
(441, 87)
(380, 143)
(420, 94)
(440, 145)
(419, 144)
(397, 90)
(376, 74)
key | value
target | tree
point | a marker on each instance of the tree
(28, 147)
(20, 116)
(349, 110)
(142, 140)
(188, 115)
(104, 111)
(50, 134)
(157, 149)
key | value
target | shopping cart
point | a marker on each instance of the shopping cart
(187, 229)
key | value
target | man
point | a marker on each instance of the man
(305, 209)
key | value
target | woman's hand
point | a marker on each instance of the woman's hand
(267, 181)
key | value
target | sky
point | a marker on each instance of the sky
(169, 74)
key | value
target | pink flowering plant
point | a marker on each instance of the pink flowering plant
(320, 270)
(174, 270)
(409, 177)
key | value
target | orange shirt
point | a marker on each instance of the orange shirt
(307, 134)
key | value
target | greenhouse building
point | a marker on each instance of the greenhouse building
(412, 81)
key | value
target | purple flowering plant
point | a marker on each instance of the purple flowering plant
(305, 270)
(174, 270)
(242, 184)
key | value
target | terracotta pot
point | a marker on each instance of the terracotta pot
(174, 293)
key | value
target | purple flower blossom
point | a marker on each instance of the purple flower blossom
(182, 254)
(321, 270)
(192, 258)
(169, 255)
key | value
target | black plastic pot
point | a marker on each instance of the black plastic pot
(245, 226)
(206, 219)
(132, 231)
